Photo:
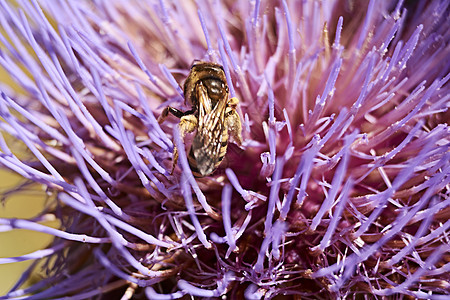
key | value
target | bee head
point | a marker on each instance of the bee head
(211, 76)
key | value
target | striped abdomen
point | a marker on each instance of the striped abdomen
(205, 158)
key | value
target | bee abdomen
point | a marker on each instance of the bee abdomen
(193, 165)
(222, 152)
(206, 165)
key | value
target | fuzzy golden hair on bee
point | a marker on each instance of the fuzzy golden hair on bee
(212, 117)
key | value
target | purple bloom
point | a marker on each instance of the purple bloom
(341, 186)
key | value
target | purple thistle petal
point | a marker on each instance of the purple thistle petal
(393, 61)
(152, 294)
(153, 123)
(226, 69)
(302, 168)
(419, 234)
(191, 209)
(337, 38)
(332, 193)
(429, 263)
(20, 131)
(242, 229)
(383, 197)
(365, 27)
(211, 53)
(236, 68)
(115, 270)
(259, 265)
(34, 255)
(273, 197)
(10, 224)
(58, 290)
(409, 47)
(342, 200)
(279, 232)
(26, 171)
(92, 183)
(226, 215)
(292, 62)
(35, 120)
(172, 80)
(275, 235)
(252, 293)
(330, 86)
(138, 233)
(397, 226)
(269, 163)
(102, 99)
(235, 182)
(78, 146)
(195, 291)
(390, 36)
(249, 196)
(379, 161)
(189, 177)
(117, 239)
(227, 46)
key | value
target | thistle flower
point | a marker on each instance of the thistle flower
(340, 189)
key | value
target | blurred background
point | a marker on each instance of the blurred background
(26, 203)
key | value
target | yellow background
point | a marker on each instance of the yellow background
(19, 242)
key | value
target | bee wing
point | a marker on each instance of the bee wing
(204, 107)
(208, 141)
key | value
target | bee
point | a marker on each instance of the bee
(212, 115)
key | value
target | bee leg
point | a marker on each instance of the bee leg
(233, 121)
(176, 112)
(233, 102)
(187, 124)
